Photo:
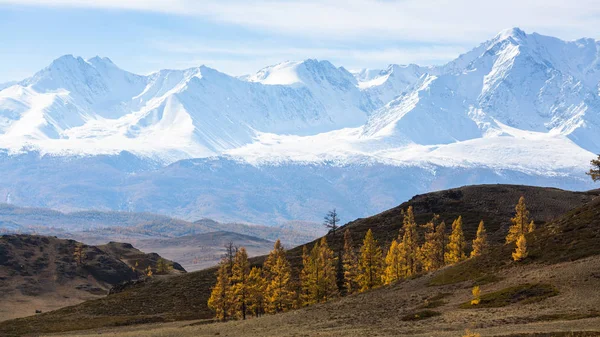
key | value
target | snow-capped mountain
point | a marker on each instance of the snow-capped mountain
(517, 108)
(93, 107)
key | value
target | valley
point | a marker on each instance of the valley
(563, 253)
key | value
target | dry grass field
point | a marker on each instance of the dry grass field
(574, 311)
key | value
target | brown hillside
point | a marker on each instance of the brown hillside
(40, 272)
(185, 296)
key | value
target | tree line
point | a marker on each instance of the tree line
(242, 290)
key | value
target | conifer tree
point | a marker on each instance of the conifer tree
(79, 254)
(277, 252)
(410, 242)
(350, 265)
(395, 265)
(431, 253)
(521, 251)
(595, 170)
(279, 292)
(480, 244)
(162, 266)
(455, 250)
(369, 264)
(149, 271)
(327, 263)
(256, 292)
(306, 277)
(441, 240)
(220, 296)
(476, 295)
(240, 289)
(521, 223)
(531, 227)
(469, 333)
(318, 275)
(331, 221)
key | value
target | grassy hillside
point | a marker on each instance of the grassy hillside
(41, 273)
(185, 296)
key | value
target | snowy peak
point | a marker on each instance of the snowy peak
(307, 72)
(514, 84)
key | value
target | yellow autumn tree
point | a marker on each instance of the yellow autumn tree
(318, 276)
(594, 172)
(220, 296)
(149, 271)
(455, 250)
(277, 252)
(369, 264)
(521, 251)
(521, 223)
(476, 295)
(162, 266)
(395, 265)
(279, 292)
(306, 281)
(327, 263)
(256, 292)
(431, 252)
(240, 290)
(480, 244)
(79, 254)
(350, 265)
(469, 333)
(410, 242)
(441, 240)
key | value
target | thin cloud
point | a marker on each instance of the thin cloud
(238, 60)
(457, 21)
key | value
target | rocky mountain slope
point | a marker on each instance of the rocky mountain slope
(568, 220)
(42, 272)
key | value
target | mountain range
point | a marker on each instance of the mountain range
(298, 138)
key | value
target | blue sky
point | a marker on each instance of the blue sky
(239, 37)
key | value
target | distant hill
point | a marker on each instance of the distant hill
(97, 227)
(184, 297)
(41, 272)
(201, 251)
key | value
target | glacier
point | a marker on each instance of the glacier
(518, 108)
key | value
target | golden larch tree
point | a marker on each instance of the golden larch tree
(350, 265)
(162, 266)
(395, 265)
(521, 223)
(370, 264)
(431, 252)
(318, 276)
(327, 263)
(256, 292)
(306, 281)
(441, 240)
(149, 271)
(476, 295)
(410, 242)
(240, 288)
(521, 251)
(79, 254)
(277, 252)
(595, 170)
(455, 250)
(220, 297)
(480, 243)
(279, 291)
